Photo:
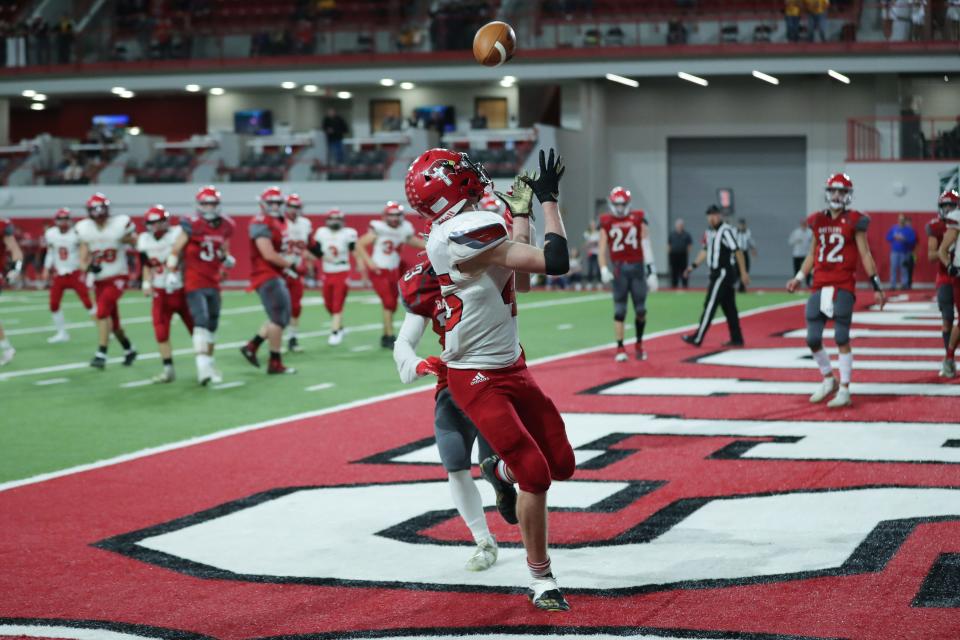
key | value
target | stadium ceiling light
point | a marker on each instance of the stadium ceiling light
(127, 94)
(134, 131)
(766, 77)
(692, 78)
(612, 77)
(406, 86)
(344, 95)
(38, 106)
(288, 85)
(28, 93)
(836, 75)
(311, 88)
(39, 97)
(217, 91)
(192, 88)
(118, 90)
(387, 82)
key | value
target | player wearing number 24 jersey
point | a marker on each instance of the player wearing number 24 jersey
(839, 237)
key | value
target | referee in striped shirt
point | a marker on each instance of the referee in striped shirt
(725, 259)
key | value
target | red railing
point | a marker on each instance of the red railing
(893, 138)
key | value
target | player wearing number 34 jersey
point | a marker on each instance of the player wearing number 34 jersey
(840, 236)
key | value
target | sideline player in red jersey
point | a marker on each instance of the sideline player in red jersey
(383, 267)
(154, 246)
(296, 237)
(333, 243)
(948, 202)
(104, 240)
(10, 244)
(950, 259)
(205, 249)
(624, 234)
(63, 263)
(487, 374)
(267, 277)
(839, 235)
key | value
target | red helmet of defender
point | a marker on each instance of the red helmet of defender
(271, 202)
(334, 219)
(393, 213)
(208, 202)
(948, 202)
(62, 218)
(440, 183)
(839, 191)
(292, 206)
(619, 201)
(157, 219)
(98, 207)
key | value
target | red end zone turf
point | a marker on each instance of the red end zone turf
(745, 515)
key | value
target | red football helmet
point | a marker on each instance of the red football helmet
(157, 219)
(619, 201)
(393, 213)
(334, 219)
(208, 202)
(98, 207)
(271, 202)
(440, 183)
(62, 218)
(947, 202)
(293, 206)
(839, 191)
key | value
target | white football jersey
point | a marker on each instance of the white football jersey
(63, 250)
(296, 236)
(953, 222)
(386, 248)
(157, 251)
(481, 324)
(336, 246)
(106, 244)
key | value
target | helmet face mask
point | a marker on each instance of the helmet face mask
(839, 191)
(619, 201)
(948, 202)
(157, 220)
(292, 207)
(334, 220)
(62, 219)
(271, 202)
(208, 203)
(98, 208)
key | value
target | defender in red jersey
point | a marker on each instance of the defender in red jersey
(267, 276)
(949, 213)
(453, 430)
(624, 236)
(839, 236)
(202, 253)
(62, 264)
(16, 254)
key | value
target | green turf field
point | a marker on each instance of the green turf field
(57, 412)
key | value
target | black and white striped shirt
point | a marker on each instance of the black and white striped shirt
(745, 240)
(721, 246)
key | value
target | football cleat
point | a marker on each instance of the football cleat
(251, 356)
(216, 377)
(485, 555)
(60, 336)
(948, 369)
(828, 386)
(163, 377)
(336, 337)
(690, 339)
(293, 345)
(6, 355)
(842, 399)
(640, 354)
(545, 594)
(387, 342)
(279, 370)
(621, 355)
(506, 494)
(98, 362)
(129, 357)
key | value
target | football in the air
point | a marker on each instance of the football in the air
(494, 44)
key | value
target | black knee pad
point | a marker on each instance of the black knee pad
(620, 311)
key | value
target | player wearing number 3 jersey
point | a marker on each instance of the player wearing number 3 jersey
(840, 235)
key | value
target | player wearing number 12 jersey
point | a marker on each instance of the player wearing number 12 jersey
(839, 237)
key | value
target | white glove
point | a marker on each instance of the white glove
(147, 287)
(90, 280)
(172, 262)
(653, 282)
(173, 281)
(606, 276)
(229, 261)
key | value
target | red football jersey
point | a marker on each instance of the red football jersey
(420, 293)
(203, 254)
(835, 253)
(624, 235)
(264, 226)
(935, 229)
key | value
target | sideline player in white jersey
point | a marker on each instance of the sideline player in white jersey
(103, 252)
(487, 374)
(383, 267)
(63, 263)
(333, 244)
(950, 259)
(296, 237)
(16, 254)
(155, 246)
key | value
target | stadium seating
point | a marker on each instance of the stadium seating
(165, 167)
(363, 164)
(269, 166)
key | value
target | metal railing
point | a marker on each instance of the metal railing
(893, 138)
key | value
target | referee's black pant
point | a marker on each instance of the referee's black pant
(720, 293)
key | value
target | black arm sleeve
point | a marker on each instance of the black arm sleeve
(556, 254)
(352, 246)
(316, 249)
(144, 259)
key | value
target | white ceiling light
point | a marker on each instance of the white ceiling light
(117, 90)
(387, 82)
(760, 75)
(288, 85)
(28, 93)
(127, 94)
(217, 91)
(612, 77)
(38, 106)
(344, 95)
(692, 78)
(836, 75)
(406, 86)
(134, 131)
(39, 97)
(192, 88)
(311, 88)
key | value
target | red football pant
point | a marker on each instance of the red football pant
(108, 294)
(165, 305)
(521, 423)
(295, 286)
(335, 291)
(386, 284)
(69, 281)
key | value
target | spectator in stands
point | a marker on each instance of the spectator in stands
(591, 247)
(800, 240)
(479, 121)
(391, 123)
(902, 239)
(40, 41)
(678, 254)
(817, 17)
(676, 32)
(901, 12)
(65, 38)
(17, 45)
(918, 17)
(886, 17)
(304, 38)
(336, 128)
(161, 41)
(791, 11)
(71, 169)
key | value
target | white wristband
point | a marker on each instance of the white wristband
(800, 277)
(172, 261)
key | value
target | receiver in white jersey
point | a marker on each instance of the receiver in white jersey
(106, 244)
(157, 251)
(481, 323)
(953, 222)
(336, 247)
(296, 237)
(63, 250)
(389, 240)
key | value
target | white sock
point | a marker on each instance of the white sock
(823, 361)
(5, 344)
(59, 322)
(846, 367)
(466, 498)
(292, 331)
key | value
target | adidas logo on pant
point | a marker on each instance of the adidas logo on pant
(477, 379)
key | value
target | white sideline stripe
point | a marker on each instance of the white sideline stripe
(564, 327)
(44, 383)
(919, 334)
(136, 383)
(361, 347)
(228, 385)
(226, 433)
(702, 387)
(320, 387)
